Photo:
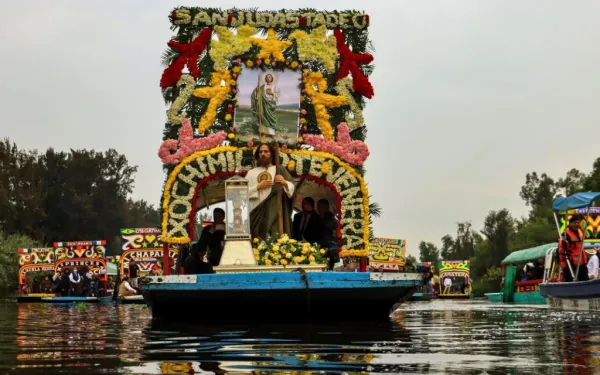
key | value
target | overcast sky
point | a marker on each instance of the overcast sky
(469, 95)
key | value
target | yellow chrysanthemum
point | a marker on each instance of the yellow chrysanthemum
(300, 139)
(322, 251)
(294, 64)
(268, 262)
(231, 136)
(275, 247)
(228, 117)
(283, 262)
(255, 240)
(249, 63)
(291, 165)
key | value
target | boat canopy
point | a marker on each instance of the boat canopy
(522, 256)
(577, 200)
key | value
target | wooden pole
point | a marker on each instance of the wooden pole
(279, 193)
(166, 263)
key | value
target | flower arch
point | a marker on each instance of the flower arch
(188, 178)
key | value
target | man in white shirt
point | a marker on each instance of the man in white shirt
(263, 183)
(593, 263)
(447, 285)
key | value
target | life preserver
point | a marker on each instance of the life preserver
(574, 246)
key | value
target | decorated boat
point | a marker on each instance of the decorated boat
(459, 271)
(519, 289)
(574, 295)
(297, 81)
(34, 261)
(76, 254)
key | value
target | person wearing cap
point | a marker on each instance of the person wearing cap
(571, 249)
(594, 262)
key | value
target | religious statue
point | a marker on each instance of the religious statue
(264, 182)
(263, 103)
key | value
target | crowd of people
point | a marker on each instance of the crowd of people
(80, 282)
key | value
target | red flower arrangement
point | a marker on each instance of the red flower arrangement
(349, 64)
(189, 53)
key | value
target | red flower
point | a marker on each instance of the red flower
(188, 55)
(302, 21)
(229, 18)
(230, 110)
(174, 15)
(349, 64)
(367, 18)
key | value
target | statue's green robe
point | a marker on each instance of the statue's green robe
(264, 110)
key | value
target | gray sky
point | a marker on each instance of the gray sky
(469, 95)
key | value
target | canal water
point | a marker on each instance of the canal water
(433, 337)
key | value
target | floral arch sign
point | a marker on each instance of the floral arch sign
(294, 78)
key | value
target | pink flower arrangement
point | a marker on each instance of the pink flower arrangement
(250, 143)
(303, 112)
(353, 152)
(169, 154)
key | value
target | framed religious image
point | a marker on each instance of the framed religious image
(268, 106)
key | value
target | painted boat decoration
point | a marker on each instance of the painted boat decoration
(574, 295)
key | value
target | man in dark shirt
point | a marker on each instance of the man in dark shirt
(329, 232)
(307, 224)
(194, 263)
(212, 238)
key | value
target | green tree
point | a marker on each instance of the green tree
(9, 265)
(428, 252)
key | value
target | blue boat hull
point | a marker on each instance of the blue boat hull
(278, 296)
(580, 295)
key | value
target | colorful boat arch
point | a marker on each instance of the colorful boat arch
(35, 260)
(144, 245)
(80, 253)
(188, 178)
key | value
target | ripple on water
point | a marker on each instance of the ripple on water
(435, 337)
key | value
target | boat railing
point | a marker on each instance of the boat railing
(548, 265)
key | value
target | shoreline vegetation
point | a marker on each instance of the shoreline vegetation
(502, 233)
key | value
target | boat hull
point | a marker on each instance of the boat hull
(279, 296)
(33, 297)
(580, 295)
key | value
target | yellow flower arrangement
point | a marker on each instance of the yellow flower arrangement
(267, 61)
(300, 139)
(291, 165)
(294, 64)
(285, 251)
(230, 44)
(271, 46)
(228, 117)
(236, 69)
(231, 136)
(317, 46)
(173, 116)
(249, 63)
(322, 101)
(343, 87)
(217, 95)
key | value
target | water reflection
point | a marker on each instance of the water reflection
(424, 337)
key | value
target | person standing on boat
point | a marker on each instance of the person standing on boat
(133, 273)
(212, 238)
(307, 225)
(571, 247)
(594, 263)
(264, 181)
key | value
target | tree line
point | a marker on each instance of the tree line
(53, 196)
(503, 233)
